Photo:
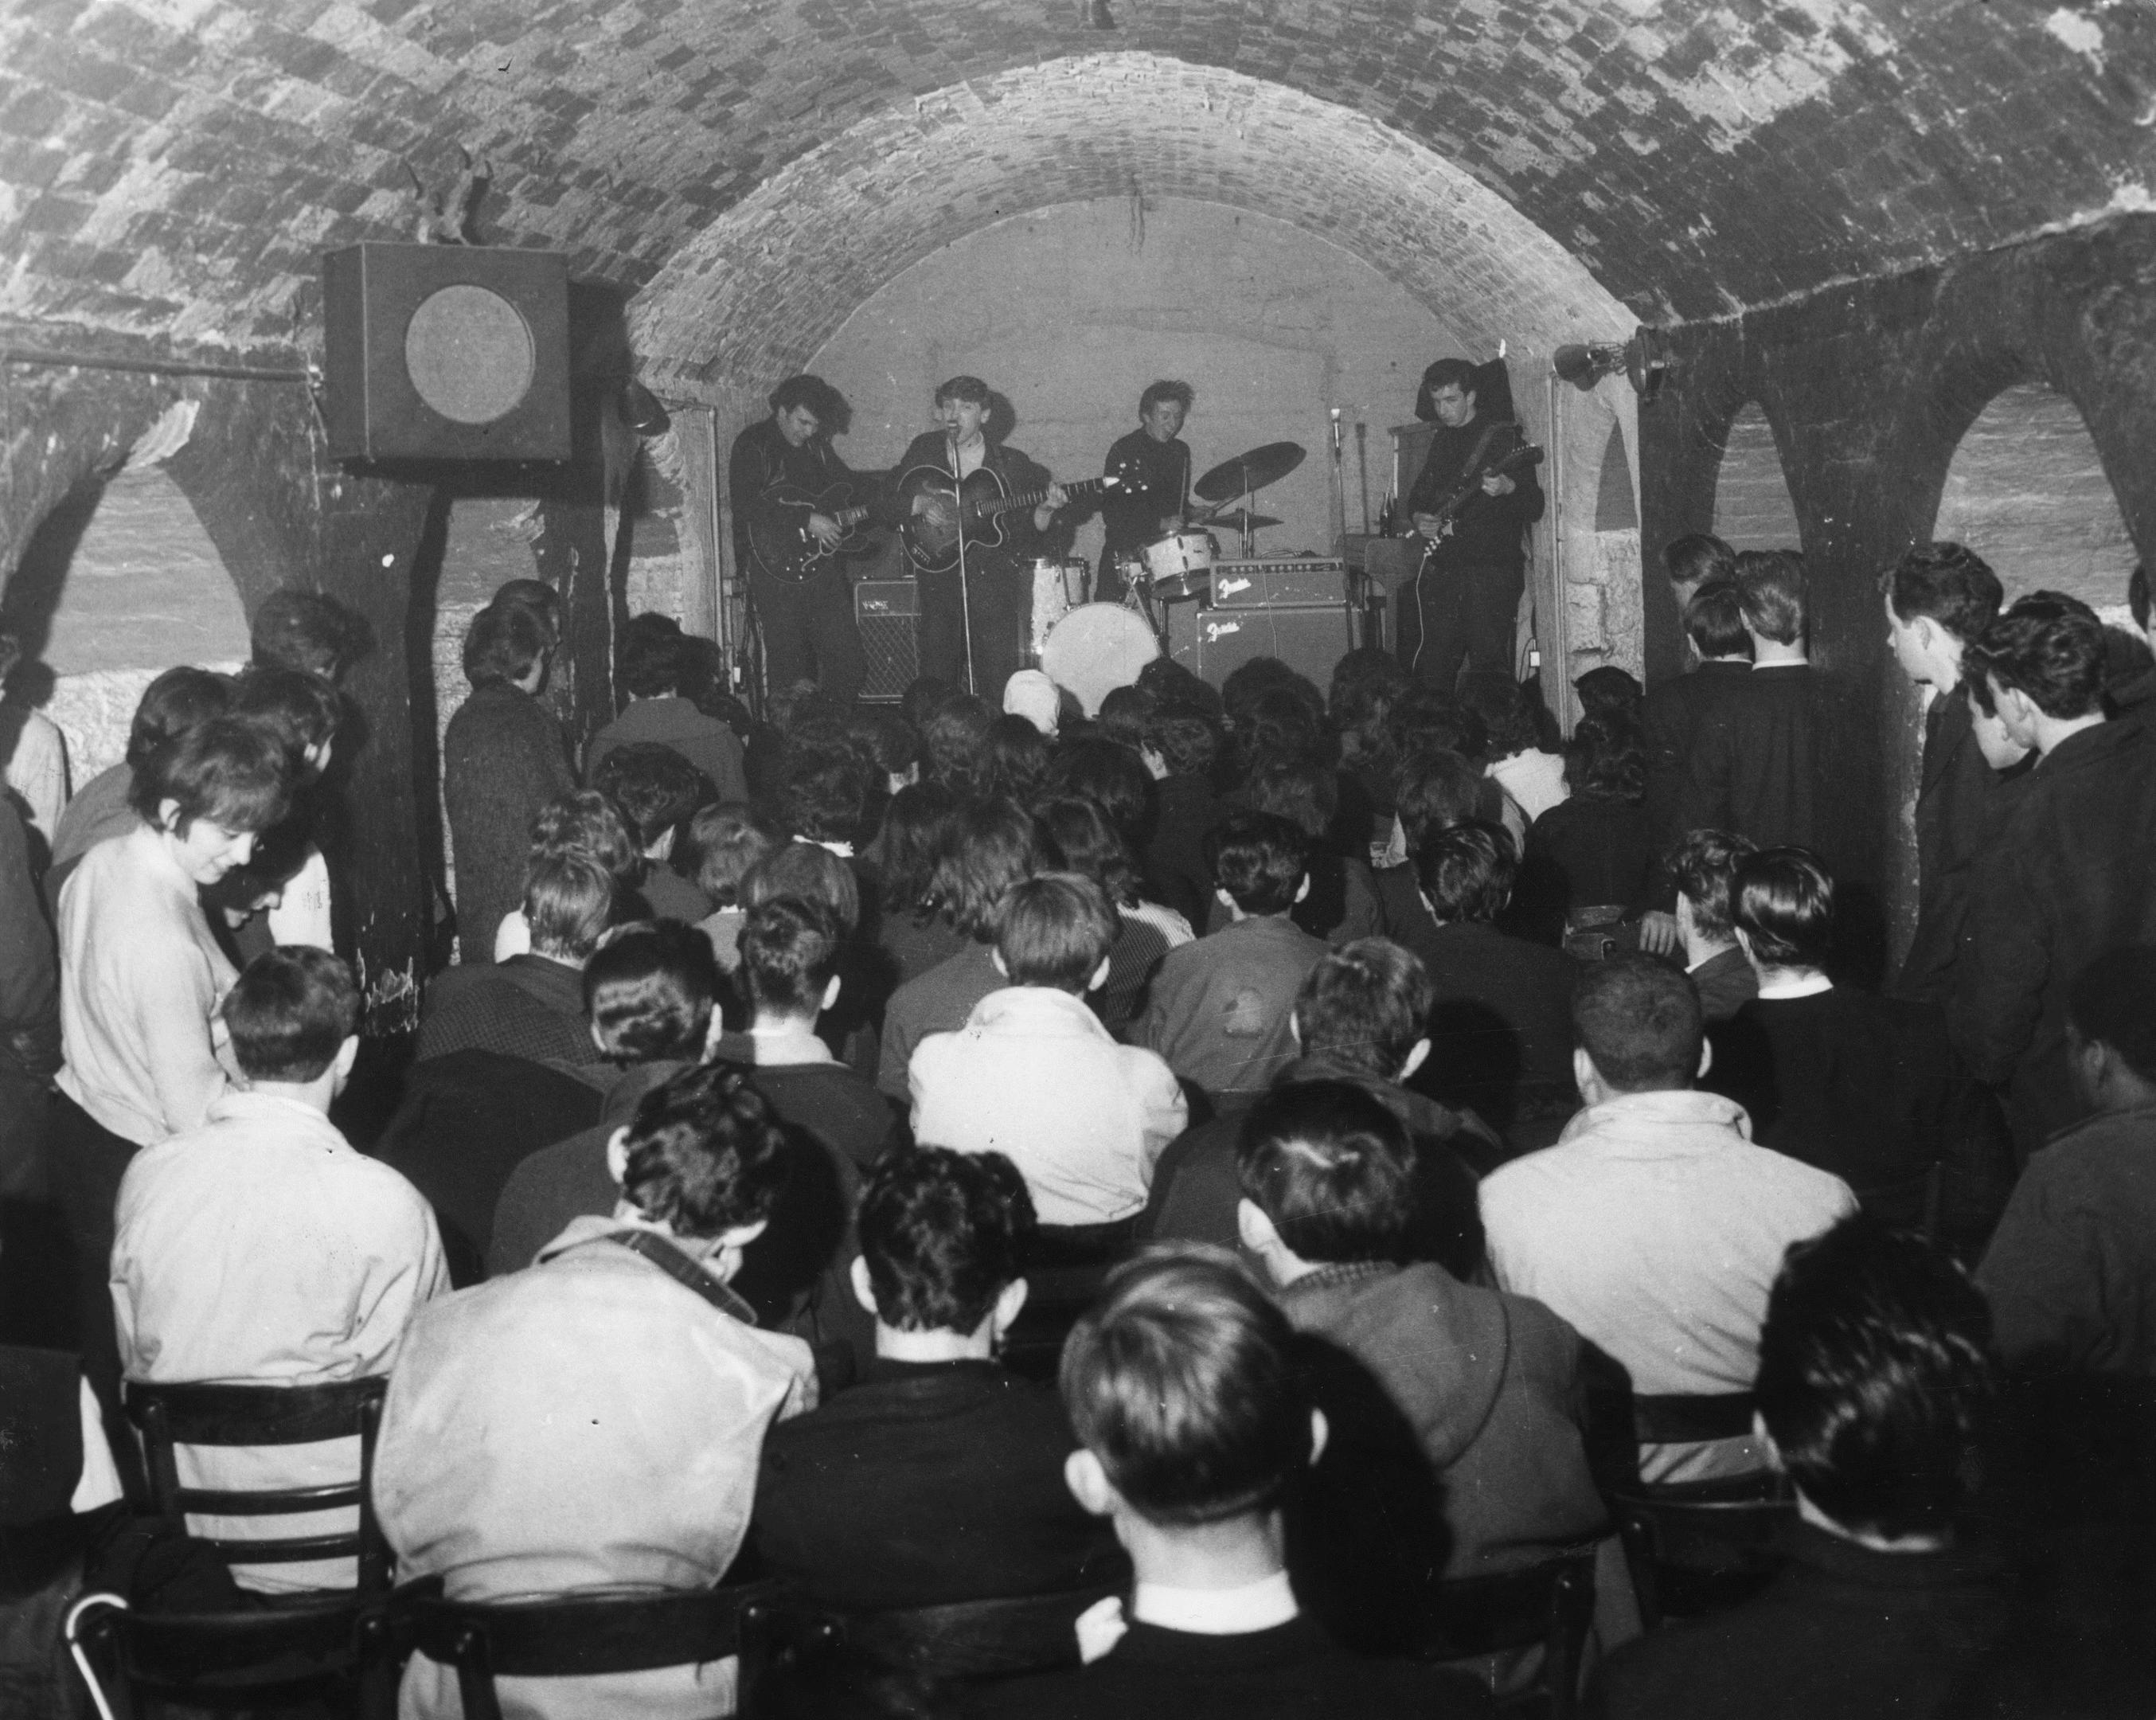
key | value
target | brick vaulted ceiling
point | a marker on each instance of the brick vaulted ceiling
(756, 168)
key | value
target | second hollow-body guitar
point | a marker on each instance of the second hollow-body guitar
(790, 551)
(974, 509)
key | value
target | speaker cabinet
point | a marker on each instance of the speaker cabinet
(446, 353)
(888, 613)
(1309, 638)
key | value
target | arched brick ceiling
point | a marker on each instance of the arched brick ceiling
(172, 166)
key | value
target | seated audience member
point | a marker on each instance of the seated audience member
(1673, 710)
(1013, 760)
(596, 1423)
(1655, 1226)
(1078, 835)
(1873, 1379)
(1182, 749)
(830, 794)
(1115, 779)
(1033, 1075)
(1499, 1026)
(726, 842)
(1593, 850)
(261, 1248)
(530, 1005)
(659, 792)
(1455, 1411)
(1222, 1008)
(1122, 717)
(587, 822)
(938, 1476)
(890, 742)
(1857, 1084)
(1363, 1018)
(1182, 1385)
(1342, 903)
(2071, 1272)
(911, 934)
(1609, 691)
(1533, 780)
(651, 661)
(1437, 788)
(1703, 866)
(953, 737)
(33, 760)
(992, 847)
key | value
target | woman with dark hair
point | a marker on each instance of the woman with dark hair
(1343, 903)
(1077, 835)
(1013, 759)
(911, 931)
(953, 741)
(1594, 850)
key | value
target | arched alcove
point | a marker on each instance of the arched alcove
(1753, 509)
(2027, 492)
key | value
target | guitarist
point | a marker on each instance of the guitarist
(807, 618)
(998, 586)
(1460, 610)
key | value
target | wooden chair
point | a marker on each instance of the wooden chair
(1057, 1296)
(567, 1637)
(1693, 1547)
(1550, 1605)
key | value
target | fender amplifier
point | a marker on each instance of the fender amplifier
(1309, 638)
(1258, 585)
(887, 612)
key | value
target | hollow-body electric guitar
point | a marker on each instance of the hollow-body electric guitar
(789, 550)
(974, 508)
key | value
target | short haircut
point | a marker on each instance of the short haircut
(648, 657)
(540, 598)
(1697, 557)
(992, 846)
(970, 389)
(1365, 1004)
(1054, 929)
(1951, 585)
(2112, 1002)
(724, 841)
(1782, 899)
(2137, 595)
(306, 631)
(941, 1234)
(811, 872)
(1606, 687)
(1077, 836)
(567, 901)
(302, 707)
(2048, 646)
(917, 825)
(1365, 683)
(886, 739)
(952, 738)
(1181, 393)
(1639, 1020)
(1013, 759)
(1175, 687)
(1282, 724)
(1332, 1167)
(1182, 1381)
(1467, 870)
(1422, 719)
(704, 1153)
(1770, 590)
(173, 703)
(1606, 759)
(648, 989)
(1874, 1376)
(1509, 715)
(290, 1013)
(505, 642)
(585, 822)
(1114, 778)
(656, 788)
(233, 771)
(1301, 790)
(1438, 789)
(1123, 714)
(1715, 619)
(1702, 864)
(1187, 742)
(1260, 859)
(1445, 373)
(1250, 682)
(789, 950)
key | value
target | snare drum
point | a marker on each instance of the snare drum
(1180, 565)
(1058, 588)
(1095, 649)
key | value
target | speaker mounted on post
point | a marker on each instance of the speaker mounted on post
(446, 353)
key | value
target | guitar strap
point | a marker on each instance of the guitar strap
(683, 1270)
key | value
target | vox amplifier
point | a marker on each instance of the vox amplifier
(887, 612)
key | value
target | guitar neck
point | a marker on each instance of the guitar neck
(1034, 498)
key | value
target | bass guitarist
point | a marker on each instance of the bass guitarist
(1460, 610)
(790, 497)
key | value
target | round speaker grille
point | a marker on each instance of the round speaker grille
(469, 354)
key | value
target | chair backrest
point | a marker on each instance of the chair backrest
(250, 1659)
(1551, 1604)
(198, 1415)
(1724, 1535)
(1681, 1418)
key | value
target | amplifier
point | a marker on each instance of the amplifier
(887, 612)
(1257, 585)
(1309, 638)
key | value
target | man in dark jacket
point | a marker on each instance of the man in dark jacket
(1181, 749)
(531, 1005)
(2069, 868)
(1703, 866)
(1673, 711)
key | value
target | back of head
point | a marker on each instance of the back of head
(233, 771)
(1332, 1167)
(540, 598)
(567, 900)
(588, 824)
(1365, 1005)
(1715, 619)
(1259, 858)
(2112, 1002)
(1299, 789)
(1013, 759)
(1365, 683)
(1424, 720)
(993, 847)
(302, 707)
(705, 1154)
(1696, 558)
(923, 697)
(830, 792)
(1770, 591)
(1639, 1020)
(1113, 778)
(1282, 726)
(1189, 742)
(1173, 686)
(725, 842)
(1606, 759)
(1123, 716)
(657, 789)
(1054, 929)
(2049, 646)
(1873, 1378)
(648, 658)
(290, 1013)
(505, 642)
(1607, 689)
(306, 631)
(1947, 583)
(1781, 900)
(1467, 870)
(1510, 716)
(1703, 866)
(790, 948)
(813, 874)
(1438, 788)
(649, 990)
(952, 738)
(917, 825)
(1181, 1381)
(173, 703)
(890, 743)
(1077, 836)
(941, 1233)
(1248, 684)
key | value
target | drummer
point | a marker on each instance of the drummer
(1154, 462)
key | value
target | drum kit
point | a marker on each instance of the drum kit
(1094, 648)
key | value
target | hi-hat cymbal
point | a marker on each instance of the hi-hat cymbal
(1236, 522)
(1253, 470)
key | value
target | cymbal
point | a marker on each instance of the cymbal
(1253, 470)
(1236, 522)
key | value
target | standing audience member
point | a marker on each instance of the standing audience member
(1182, 749)
(652, 657)
(1655, 1226)
(1672, 714)
(659, 792)
(2068, 869)
(595, 1424)
(912, 935)
(1873, 1381)
(306, 712)
(304, 630)
(1703, 866)
(260, 1248)
(33, 762)
(530, 1005)
(1697, 560)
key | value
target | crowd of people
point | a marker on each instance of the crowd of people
(1242, 1162)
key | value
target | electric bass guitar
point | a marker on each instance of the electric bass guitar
(788, 549)
(1469, 485)
(974, 510)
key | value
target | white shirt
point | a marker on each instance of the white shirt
(1535, 780)
(1811, 986)
(38, 767)
(302, 914)
(1263, 1605)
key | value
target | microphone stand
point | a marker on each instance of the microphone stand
(965, 599)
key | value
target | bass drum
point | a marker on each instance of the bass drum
(1095, 649)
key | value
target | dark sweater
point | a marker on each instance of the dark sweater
(528, 1006)
(1175, 854)
(1488, 530)
(503, 758)
(1500, 1026)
